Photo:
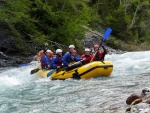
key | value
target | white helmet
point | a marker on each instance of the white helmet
(46, 44)
(71, 46)
(58, 51)
(87, 49)
(48, 51)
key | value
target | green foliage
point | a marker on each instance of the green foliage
(79, 46)
(113, 42)
(129, 19)
(62, 20)
(34, 20)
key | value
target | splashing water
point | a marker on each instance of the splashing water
(24, 93)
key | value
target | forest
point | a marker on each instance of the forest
(62, 21)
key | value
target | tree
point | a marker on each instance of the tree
(35, 20)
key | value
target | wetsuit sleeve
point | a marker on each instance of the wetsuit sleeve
(105, 51)
(77, 58)
(82, 56)
(45, 60)
(53, 63)
(64, 59)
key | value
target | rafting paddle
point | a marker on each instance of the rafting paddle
(105, 36)
(34, 70)
(75, 65)
(23, 65)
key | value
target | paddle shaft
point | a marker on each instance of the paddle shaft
(96, 51)
(106, 35)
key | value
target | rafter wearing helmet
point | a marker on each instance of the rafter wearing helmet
(56, 62)
(43, 52)
(86, 56)
(46, 60)
(98, 54)
(69, 57)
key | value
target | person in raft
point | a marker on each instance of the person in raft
(98, 55)
(42, 52)
(46, 60)
(86, 56)
(69, 57)
(56, 62)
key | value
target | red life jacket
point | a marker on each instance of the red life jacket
(88, 58)
(42, 64)
(98, 56)
(59, 62)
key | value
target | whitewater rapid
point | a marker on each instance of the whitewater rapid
(21, 92)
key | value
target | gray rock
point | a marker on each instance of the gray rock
(94, 37)
(140, 108)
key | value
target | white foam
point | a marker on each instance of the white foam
(9, 81)
(130, 62)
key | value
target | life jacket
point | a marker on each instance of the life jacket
(99, 56)
(59, 62)
(88, 58)
(40, 55)
(43, 63)
(71, 60)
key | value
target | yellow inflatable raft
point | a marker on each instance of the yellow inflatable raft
(90, 70)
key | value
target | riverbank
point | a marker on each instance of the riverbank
(10, 55)
(14, 60)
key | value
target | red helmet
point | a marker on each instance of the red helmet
(96, 46)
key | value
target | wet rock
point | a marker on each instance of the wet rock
(7, 61)
(140, 108)
(7, 44)
(9, 55)
(143, 106)
(94, 37)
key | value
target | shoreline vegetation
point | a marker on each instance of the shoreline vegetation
(62, 21)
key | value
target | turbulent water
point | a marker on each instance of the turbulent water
(21, 92)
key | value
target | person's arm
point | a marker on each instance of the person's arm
(53, 63)
(102, 54)
(93, 56)
(46, 61)
(64, 59)
(77, 58)
(105, 51)
(82, 56)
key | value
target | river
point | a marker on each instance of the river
(21, 92)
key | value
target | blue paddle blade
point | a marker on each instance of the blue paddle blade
(51, 72)
(107, 33)
(22, 65)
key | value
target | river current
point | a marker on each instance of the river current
(21, 92)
